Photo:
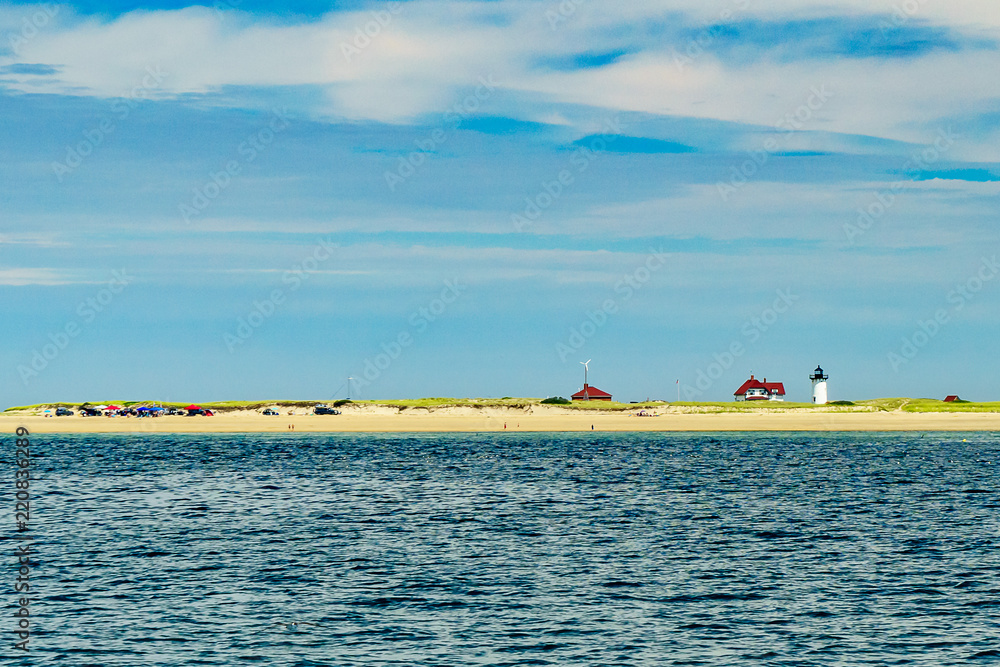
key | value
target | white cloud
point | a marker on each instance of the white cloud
(917, 216)
(45, 240)
(419, 59)
(38, 276)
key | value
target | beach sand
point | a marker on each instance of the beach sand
(369, 418)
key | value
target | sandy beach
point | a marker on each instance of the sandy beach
(375, 419)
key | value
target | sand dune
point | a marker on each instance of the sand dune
(370, 418)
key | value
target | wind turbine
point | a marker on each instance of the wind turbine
(586, 368)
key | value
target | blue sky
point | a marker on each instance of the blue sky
(455, 198)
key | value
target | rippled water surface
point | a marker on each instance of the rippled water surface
(514, 549)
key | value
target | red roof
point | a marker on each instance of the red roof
(590, 392)
(950, 399)
(777, 388)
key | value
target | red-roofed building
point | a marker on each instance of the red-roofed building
(760, 390)
(589, 393)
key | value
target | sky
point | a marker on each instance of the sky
(246, 200)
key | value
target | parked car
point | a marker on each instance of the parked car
(269, 411)
(89, 412)
(63, 412)
(325, 410)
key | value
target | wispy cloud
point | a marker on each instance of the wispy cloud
(41, 276)
(29, 69)
(45, 240)
(974, 175)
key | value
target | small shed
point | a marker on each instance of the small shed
(589, 393)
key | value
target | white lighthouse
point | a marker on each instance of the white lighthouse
(819, 379)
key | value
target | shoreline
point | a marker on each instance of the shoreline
(373, 419)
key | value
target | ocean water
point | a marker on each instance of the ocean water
(515, 549)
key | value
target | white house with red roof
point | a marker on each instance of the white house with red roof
(760, 390)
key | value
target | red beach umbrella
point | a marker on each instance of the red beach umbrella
(192, 407)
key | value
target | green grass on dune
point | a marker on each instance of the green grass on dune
(612, 405)
(741, 406)
(437, 402)
(879, 404)
(217, 405)
(250, 405)
(257, 405)
(929, 405)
